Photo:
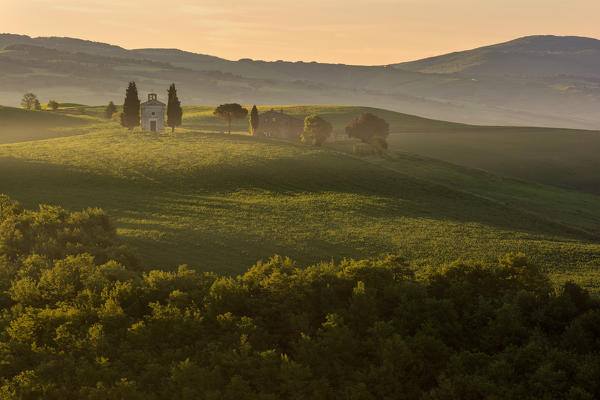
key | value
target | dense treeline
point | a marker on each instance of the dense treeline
(81, 320)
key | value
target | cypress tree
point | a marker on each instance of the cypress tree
(110, 110)
(254, 121)
(174, 111)
(131, 108)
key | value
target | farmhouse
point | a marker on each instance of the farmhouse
(153, 114)
(277, 124)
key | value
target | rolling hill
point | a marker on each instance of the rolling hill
(220, 202)
(17, 125)
(566, 94)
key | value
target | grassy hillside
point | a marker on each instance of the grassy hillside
(575, 210)
(221, 202)
(17, 125)
(561, 157)
(564, 158)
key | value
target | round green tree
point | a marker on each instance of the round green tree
(369, 128)
(316, 130)
(230, 112)
(28, 101)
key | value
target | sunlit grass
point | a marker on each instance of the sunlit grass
(221, 202)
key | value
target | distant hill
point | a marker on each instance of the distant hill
(564, 94)
(532, 56)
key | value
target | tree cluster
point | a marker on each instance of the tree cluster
(81, 321)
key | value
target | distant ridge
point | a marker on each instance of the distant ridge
(537, 80)
(527, 56)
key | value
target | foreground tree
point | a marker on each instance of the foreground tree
(174, 111)
(53, 104)
(110, 110)
(369, 128)
(230, 112)
(254, 120)
(316, 130)
(82, 317)
(131, 107)
(28, 101)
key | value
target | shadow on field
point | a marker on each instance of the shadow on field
(226, 219)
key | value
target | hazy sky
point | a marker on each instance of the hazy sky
(345, 31)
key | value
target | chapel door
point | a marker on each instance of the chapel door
(153, 126)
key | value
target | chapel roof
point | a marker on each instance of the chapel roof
(153, 100)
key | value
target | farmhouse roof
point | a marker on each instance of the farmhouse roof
(279, 114)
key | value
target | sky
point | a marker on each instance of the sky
(373, 32)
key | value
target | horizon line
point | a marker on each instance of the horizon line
(299, 61)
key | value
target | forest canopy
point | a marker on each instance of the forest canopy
(81, 319)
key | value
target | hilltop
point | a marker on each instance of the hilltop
(560, 157)
(566, 94)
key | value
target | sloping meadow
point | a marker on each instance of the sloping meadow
(221, 202)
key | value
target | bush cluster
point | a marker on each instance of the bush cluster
(80, 320)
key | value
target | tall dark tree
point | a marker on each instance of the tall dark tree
(254, 120)
(230, 112)
(110, 110)
(131, 107)
(369, 128)
(174, 111)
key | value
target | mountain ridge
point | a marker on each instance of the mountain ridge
(536, 52)
(90, 72)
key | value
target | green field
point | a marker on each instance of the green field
(18, 125)
(561, 157)
(220, 202)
